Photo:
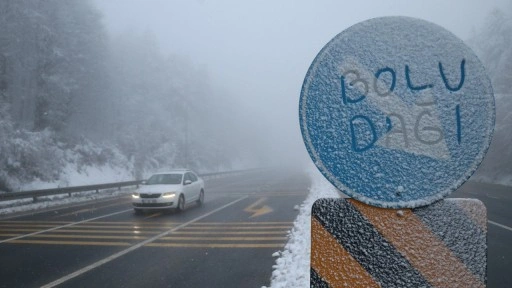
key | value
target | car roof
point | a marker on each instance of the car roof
(174, 171)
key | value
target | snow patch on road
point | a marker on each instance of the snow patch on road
(292, 268)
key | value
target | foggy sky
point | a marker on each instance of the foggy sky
(260, 51)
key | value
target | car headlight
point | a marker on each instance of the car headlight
(168, 195)
(136, 195)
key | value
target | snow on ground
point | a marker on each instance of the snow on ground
(293, 265)
(89, 175)
(71, 177)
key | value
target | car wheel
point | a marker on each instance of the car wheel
(200, 200)
(181, 203)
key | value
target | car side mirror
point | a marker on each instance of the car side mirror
(187, 182)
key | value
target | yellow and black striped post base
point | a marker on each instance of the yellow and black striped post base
(357, 245)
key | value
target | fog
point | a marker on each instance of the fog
(259, 51)
(139, 86)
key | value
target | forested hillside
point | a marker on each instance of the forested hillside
(73, 97)
(493, 45)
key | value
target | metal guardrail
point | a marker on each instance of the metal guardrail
(34, 194)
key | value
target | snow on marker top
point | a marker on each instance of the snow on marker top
(397, 112)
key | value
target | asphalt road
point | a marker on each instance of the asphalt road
(228, 242)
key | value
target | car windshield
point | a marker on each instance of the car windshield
(164, 179)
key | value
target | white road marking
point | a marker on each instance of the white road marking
(63, 226)
(500, 225)
(134, 247)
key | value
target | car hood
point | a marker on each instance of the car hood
(159, 188)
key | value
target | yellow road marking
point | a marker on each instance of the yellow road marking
(134, 227)
(73, 213)
(208, 231)
(142, 227)
(90, 209)
(209, 245)
(133, 223)
(169, 238)
(28, 221)
(198, 232)
(225, 238)
(231, 233)
(236, 228)
(63, 226)
(137, 233)
(91, 231)
(243, 223)
(153, 215)
(258, 211)
(150, 223)
(213, 230)
(28, 225)
(163, 238)
(81, 236)
(12, 226)
(134, 247)
(287, 194)
(90, 243)
(9, 234)
(158, 245)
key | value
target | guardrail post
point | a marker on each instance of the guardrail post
(69, 194)
(97, 191)
(34, 199)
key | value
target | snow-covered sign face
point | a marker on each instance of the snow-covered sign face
(397, 112)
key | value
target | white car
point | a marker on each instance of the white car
(170, 190)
